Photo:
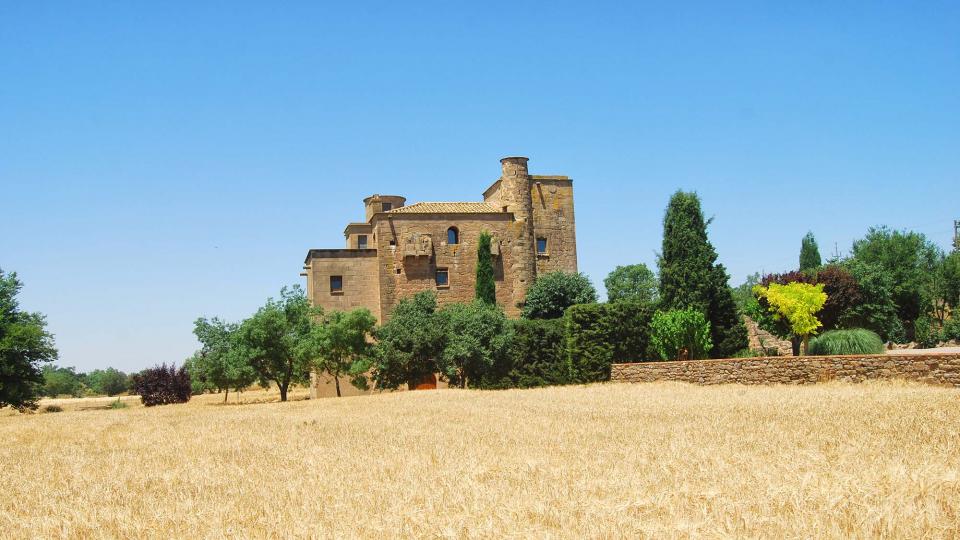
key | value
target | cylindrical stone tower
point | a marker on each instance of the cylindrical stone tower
(515, 195)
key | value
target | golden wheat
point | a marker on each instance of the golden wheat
(653, 460)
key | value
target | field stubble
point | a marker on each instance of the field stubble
(650, 460)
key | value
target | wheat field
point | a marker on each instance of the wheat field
(658, 460)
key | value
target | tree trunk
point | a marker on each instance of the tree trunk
(336, 381)
(806, 346)
(283, 391)
(226, 392)
(795, 346)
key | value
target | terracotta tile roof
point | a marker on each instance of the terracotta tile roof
(446, 208)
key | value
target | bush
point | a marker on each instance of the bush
(53, 408)
(536, 356)
(680, 334)
(162, 385)
(951, 329)
(118, 404)
(599, 335)
(855, 341)
(925, 334)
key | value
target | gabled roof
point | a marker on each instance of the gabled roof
(447, 208)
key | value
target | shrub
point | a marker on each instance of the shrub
(600, 334)
(854, 341)
(118, 404)
(536, 356)
(925, 334)
(162, 385)
(951, 329)
(680, 334)
(53, 408)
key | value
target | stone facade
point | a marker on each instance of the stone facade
(400, 249)
(939, 369)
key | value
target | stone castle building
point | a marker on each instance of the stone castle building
(399, 249)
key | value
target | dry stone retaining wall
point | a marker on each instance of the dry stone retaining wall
(940, 369)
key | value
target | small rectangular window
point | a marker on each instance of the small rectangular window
(336, 284)
(387, 207)
(361, 241)
(541, 245)
(443, 277)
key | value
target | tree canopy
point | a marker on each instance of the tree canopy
(477, 335)
(221, 361)
(340, 346)
(797, 303)
(271, 339)
(552, 293)
(634, 282)
(409, 343)
(25, 345)
(910, 260)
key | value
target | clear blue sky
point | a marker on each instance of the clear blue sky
(165, 162)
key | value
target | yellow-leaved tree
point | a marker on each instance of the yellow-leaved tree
(798, 303)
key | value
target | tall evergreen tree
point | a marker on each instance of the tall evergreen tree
(486, 289)
(690, 277)
(809, 253)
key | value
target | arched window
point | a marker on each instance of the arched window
(453, 236)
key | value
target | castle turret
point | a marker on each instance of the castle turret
(382, 203)
(515, 197)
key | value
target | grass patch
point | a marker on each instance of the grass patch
(853, 341)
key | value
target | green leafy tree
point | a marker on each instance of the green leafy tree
(680, 334)
(633, 282)
(691, 279)
(272, 339)
(62, 381)
(809, 254)
(25, 345)
(341, 347)
(743, 294)
(477, 335)
(874, 309)
(108, 382)
(552, 293)
(910, 260)
(798, 303)
(486, 288)
(409, 343)
(222, 361)
(951, 286)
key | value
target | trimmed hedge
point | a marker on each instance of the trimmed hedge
(599, 335)
(536, 356)
(853, 341)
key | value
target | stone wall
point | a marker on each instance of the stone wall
(941, 369)
(764, 342)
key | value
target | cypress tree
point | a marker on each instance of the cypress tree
(690, 277)
(486, 290)
(809, 253)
